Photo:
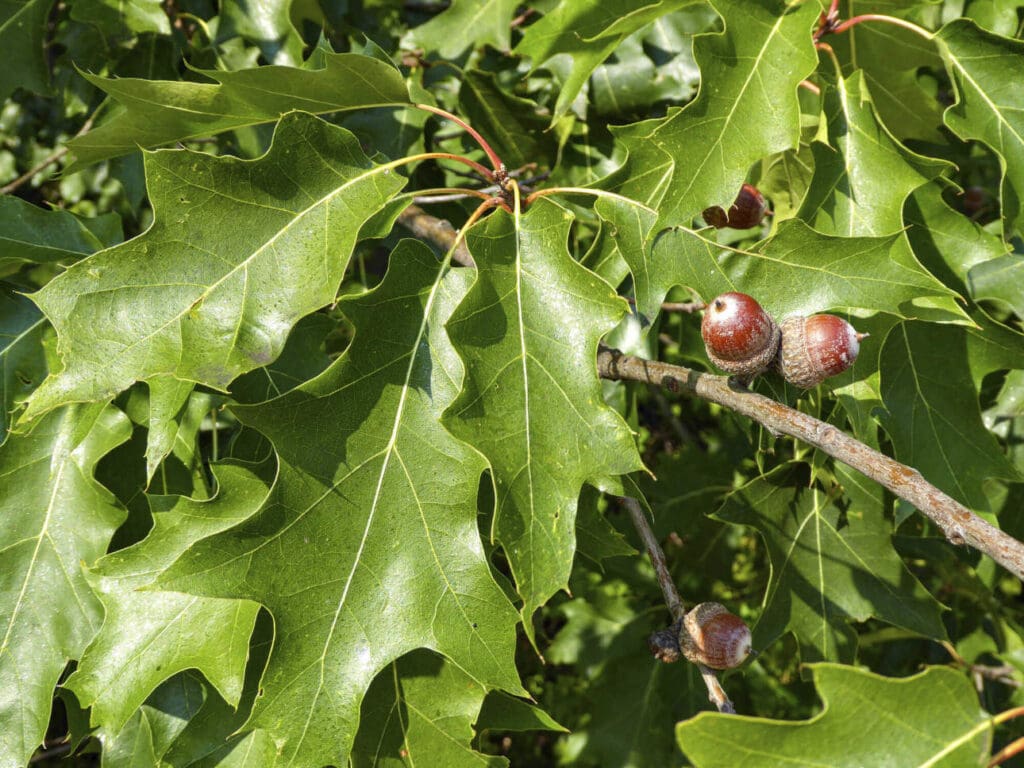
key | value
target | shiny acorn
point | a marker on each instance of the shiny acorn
(739, 336)
(712, 636)
(748, 211)
(815, 348)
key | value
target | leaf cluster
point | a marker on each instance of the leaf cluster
(281, 484)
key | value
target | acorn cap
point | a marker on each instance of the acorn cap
(712, 636)
(815, 348)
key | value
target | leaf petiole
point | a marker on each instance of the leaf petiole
(840, 28)
(496, 162)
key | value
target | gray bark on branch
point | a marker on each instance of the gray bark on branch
(959, 524)
(435, 230)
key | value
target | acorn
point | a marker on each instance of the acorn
(815, 348)
(748, 211)
(712, 636)
(739, 336)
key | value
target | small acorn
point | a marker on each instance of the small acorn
(739, 336)
(748, 211)
(815, 348)
(712, 636)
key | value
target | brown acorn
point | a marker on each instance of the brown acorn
(739, 336)
(748, 211)
(712, 636)
(815, 348)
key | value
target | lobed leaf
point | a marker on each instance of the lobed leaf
(149, 635)
(464, 24)
(930, 719)
(587, 32)
(985, 69)
(238, 252)
(157, 112)
(799, 270)
(862, 175)
(53, 517)
(31, 235)
(931, 406)
(746, 109)
(367, 547)
(828, 566)
(421, 708)
(531, 402)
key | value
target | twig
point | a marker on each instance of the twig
(676, 306)
(668, 586)
(52, 158)
(522, 18)
(959, 524)
(716, 694)
(437, 231)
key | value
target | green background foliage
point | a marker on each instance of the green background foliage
(282, 485)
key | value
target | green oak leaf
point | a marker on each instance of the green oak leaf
(829, 566)
(157, 112)
(928, 379)
(999, 16)
(653, 65)
(990, 104)
(931, 719)
(627, 226)
(268, 24)
(420, 710)
(54, 516)
(116, 17)
(1001, 279)
(947, 243)
(32, 235)
(238, 252)
(462, 25)
(699, 155)
(167, 400)
(531, 401)
(368, 546)
(587, 31)
(511, 124)
(799, 270)
(786, 177)
(22, 33)
(22, 358)
(862, 175)
(213, 737)
(147, 635)
(889, 57)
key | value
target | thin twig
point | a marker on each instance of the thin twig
(668, 586)
(52, 158)
(716, 694)
(959, 524)
(676, 306)
(437, 231)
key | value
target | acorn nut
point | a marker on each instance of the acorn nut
(748, 211)
(712, 636)
(815, 348)
(739, 336)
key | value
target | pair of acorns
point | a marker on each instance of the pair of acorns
(744, 340)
